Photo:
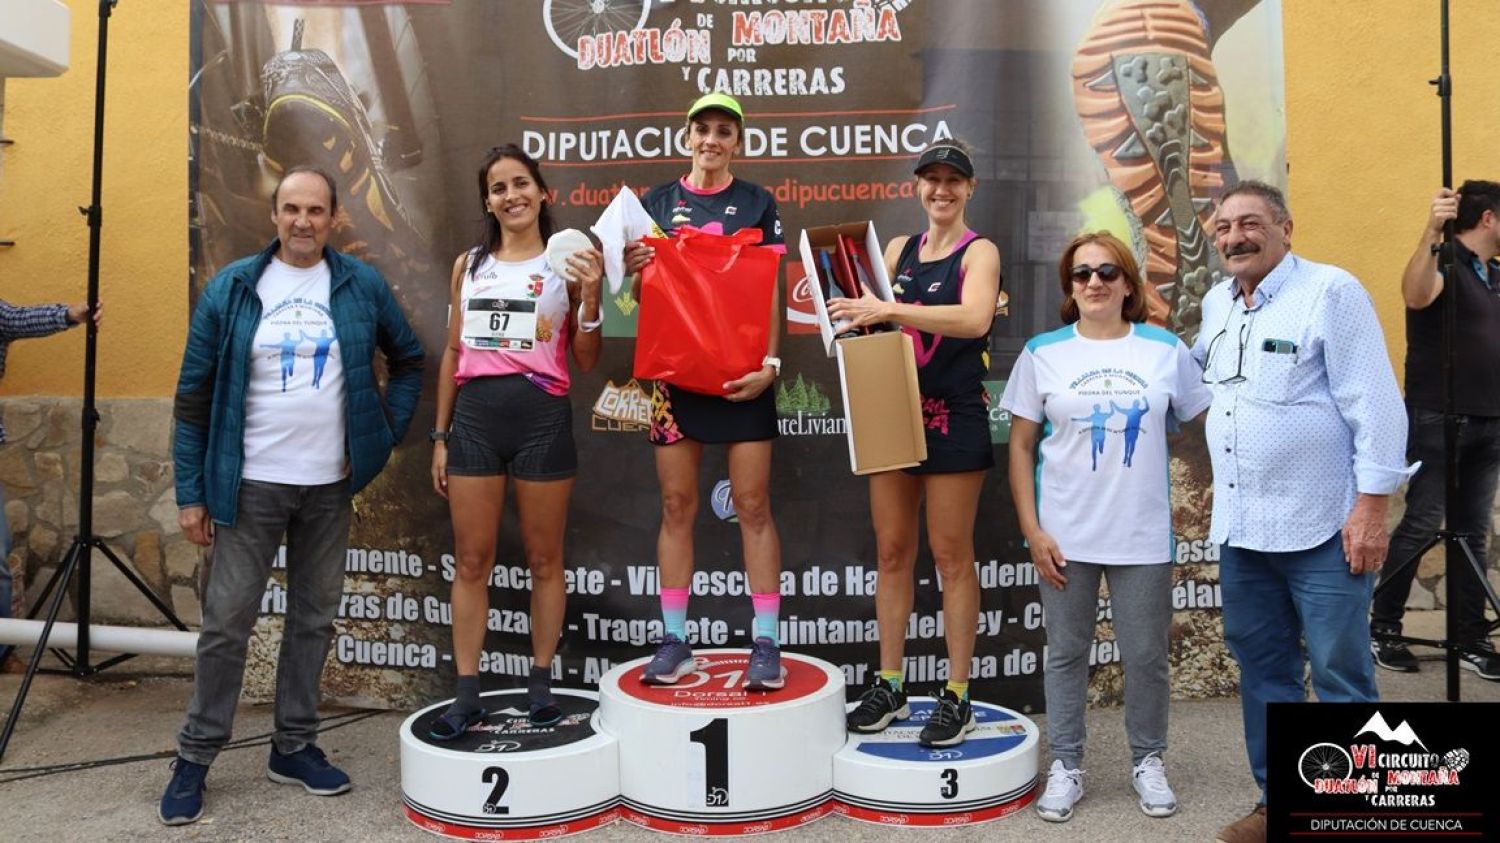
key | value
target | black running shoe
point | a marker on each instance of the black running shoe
(1392, 655)
(881, 703)
(1483, 660)
(951, 720)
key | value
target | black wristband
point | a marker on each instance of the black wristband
(436, 435)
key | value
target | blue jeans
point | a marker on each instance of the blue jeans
(1283, 611)
(315, 521)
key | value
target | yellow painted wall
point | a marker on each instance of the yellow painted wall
(1363, 130)
(47, 176)
(1362, 145)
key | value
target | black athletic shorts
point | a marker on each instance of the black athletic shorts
(958, 437)
(506, 425)
(678, 414)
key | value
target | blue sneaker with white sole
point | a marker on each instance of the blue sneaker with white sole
(308, 767)
(673, 660)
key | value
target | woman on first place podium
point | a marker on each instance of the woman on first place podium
(710, 197)
(502, 409)
(946, 281)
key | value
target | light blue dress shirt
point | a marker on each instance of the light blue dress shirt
(1306, 412)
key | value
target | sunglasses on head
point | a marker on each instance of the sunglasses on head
(1108, 273)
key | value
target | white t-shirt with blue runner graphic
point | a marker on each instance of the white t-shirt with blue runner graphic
(1103, 484)
(294, 404)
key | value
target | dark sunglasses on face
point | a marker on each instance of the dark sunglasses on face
(1108, 273)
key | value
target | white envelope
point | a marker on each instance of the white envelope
(623, 221)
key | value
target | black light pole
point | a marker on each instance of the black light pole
(1454, 544)
(78, 558)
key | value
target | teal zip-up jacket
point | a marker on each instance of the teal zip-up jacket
(208, 440)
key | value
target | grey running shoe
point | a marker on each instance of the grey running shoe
(881, 703)
(1150, 780)
(673, 660)
(1064, 789)
(951, 720)
(765, 672)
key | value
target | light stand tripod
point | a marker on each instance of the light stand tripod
(78, 558)
(1455, 544)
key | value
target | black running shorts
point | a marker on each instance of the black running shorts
(506, 425)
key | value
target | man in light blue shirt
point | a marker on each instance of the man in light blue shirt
(1307, 433)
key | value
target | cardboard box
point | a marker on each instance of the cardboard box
(825, 236)
(882, 403)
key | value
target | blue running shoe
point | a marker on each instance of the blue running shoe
(183, 801)
(673, 660)
(308, 767)
(765, 673)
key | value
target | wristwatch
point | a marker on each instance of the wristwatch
(436, 435)
(773, 362)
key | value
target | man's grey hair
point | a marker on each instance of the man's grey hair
(1270, 194)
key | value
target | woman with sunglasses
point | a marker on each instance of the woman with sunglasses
(743, 419)
(1090, 404)
(503, 409)
(946, 282)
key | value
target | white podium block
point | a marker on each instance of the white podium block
(505, 779)
(707, 757)
(888, 778)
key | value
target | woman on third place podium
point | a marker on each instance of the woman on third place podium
(502, 409)
(710, 197)
(1095, 504)
(946, 281)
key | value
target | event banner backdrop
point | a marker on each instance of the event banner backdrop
(1084, 114)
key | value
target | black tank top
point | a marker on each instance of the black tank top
(948, 368)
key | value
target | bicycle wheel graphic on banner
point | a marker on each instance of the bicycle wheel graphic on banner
(569, 20)
(1324, 761)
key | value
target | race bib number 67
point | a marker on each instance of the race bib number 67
(506, 324)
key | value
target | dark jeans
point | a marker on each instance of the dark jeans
(1478, 468)
(315, 521)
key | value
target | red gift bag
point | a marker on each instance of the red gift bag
(705, 309)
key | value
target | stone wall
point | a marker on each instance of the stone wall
(135, 510)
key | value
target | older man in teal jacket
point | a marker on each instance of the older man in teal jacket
(279, 422)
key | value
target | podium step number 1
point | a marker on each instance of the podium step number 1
(707, 757)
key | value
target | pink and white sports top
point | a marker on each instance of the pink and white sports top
(514, 322)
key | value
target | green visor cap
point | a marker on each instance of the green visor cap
(721, 101)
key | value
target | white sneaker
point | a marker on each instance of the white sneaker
(1150, 780)
(1064, 789)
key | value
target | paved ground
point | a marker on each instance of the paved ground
(130, 714)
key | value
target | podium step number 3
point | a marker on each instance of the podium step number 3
(888, 778)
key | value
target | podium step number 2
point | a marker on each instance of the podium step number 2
(505, 779)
